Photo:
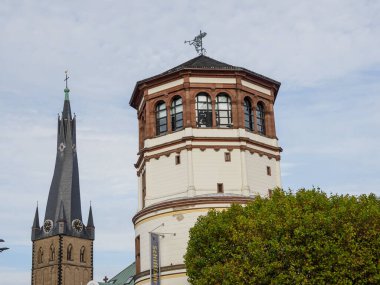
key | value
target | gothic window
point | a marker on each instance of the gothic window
(52, 253)
(176, 112)
(260, 118)
(69, 252)
(161, 118)
(203, 110)
(223, 111)
(40, 256)
(248, 115)
(81, 254)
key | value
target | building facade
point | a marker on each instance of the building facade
(63, 245)
(207, 139)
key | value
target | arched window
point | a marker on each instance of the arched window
(40, 256)
(176, 112)
(161, 119)
(69, 252)
(82, 251)
(203, 110)
(223, 111)
(260, 118)
(248, 116)
(52, 253)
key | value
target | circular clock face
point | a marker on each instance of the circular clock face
(48, 225)
(62, 147)
(77, 225)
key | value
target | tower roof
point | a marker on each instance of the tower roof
(36, 222)
(64, 195)
(90, 221)
(205, 63)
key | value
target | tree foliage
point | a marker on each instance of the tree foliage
(305, 237)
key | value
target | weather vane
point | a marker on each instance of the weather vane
(197, 43)
(66, 78)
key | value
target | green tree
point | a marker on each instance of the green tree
(305, 237)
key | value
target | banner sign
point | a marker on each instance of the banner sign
(154, 259)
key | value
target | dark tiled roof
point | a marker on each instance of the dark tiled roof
(203, 62)
(123, 277)
(90, 221)
(65, 183)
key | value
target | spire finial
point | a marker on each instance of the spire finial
(198, 44)
(67, 90)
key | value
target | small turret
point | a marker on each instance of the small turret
(90, 225)
(36, 226)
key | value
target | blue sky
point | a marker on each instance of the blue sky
(325, 53)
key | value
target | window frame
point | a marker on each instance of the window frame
(260, 118)
(161, 121)
(52, 253)
(138, 254)
(177, 159)
(69, 252)
(206, 112)
(40, 256)
(249, 123)
(175, 115)
(82, 254)
(219, 110)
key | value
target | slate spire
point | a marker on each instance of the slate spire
(90, 225)
(36, 225)
(90, 221)
(36, 222)
(64, 194)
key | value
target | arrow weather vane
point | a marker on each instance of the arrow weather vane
(197, 43)
(66, 78)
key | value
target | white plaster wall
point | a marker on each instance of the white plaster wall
(165, 86)
(211, 168)
(258, 180)
(200, 171)
(227, 80)
(255, 87)
(172, 248)
(164, 179)
(172, 280)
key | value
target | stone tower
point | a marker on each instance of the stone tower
(207, 139)
(63, 246)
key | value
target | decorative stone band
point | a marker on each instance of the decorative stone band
(250, 146)
(163, 270)
(185, 202)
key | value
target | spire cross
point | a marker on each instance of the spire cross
(197, 43)
(66, 78)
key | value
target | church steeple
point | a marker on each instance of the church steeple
(64, 190)
(63, 208)
(63, 231)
